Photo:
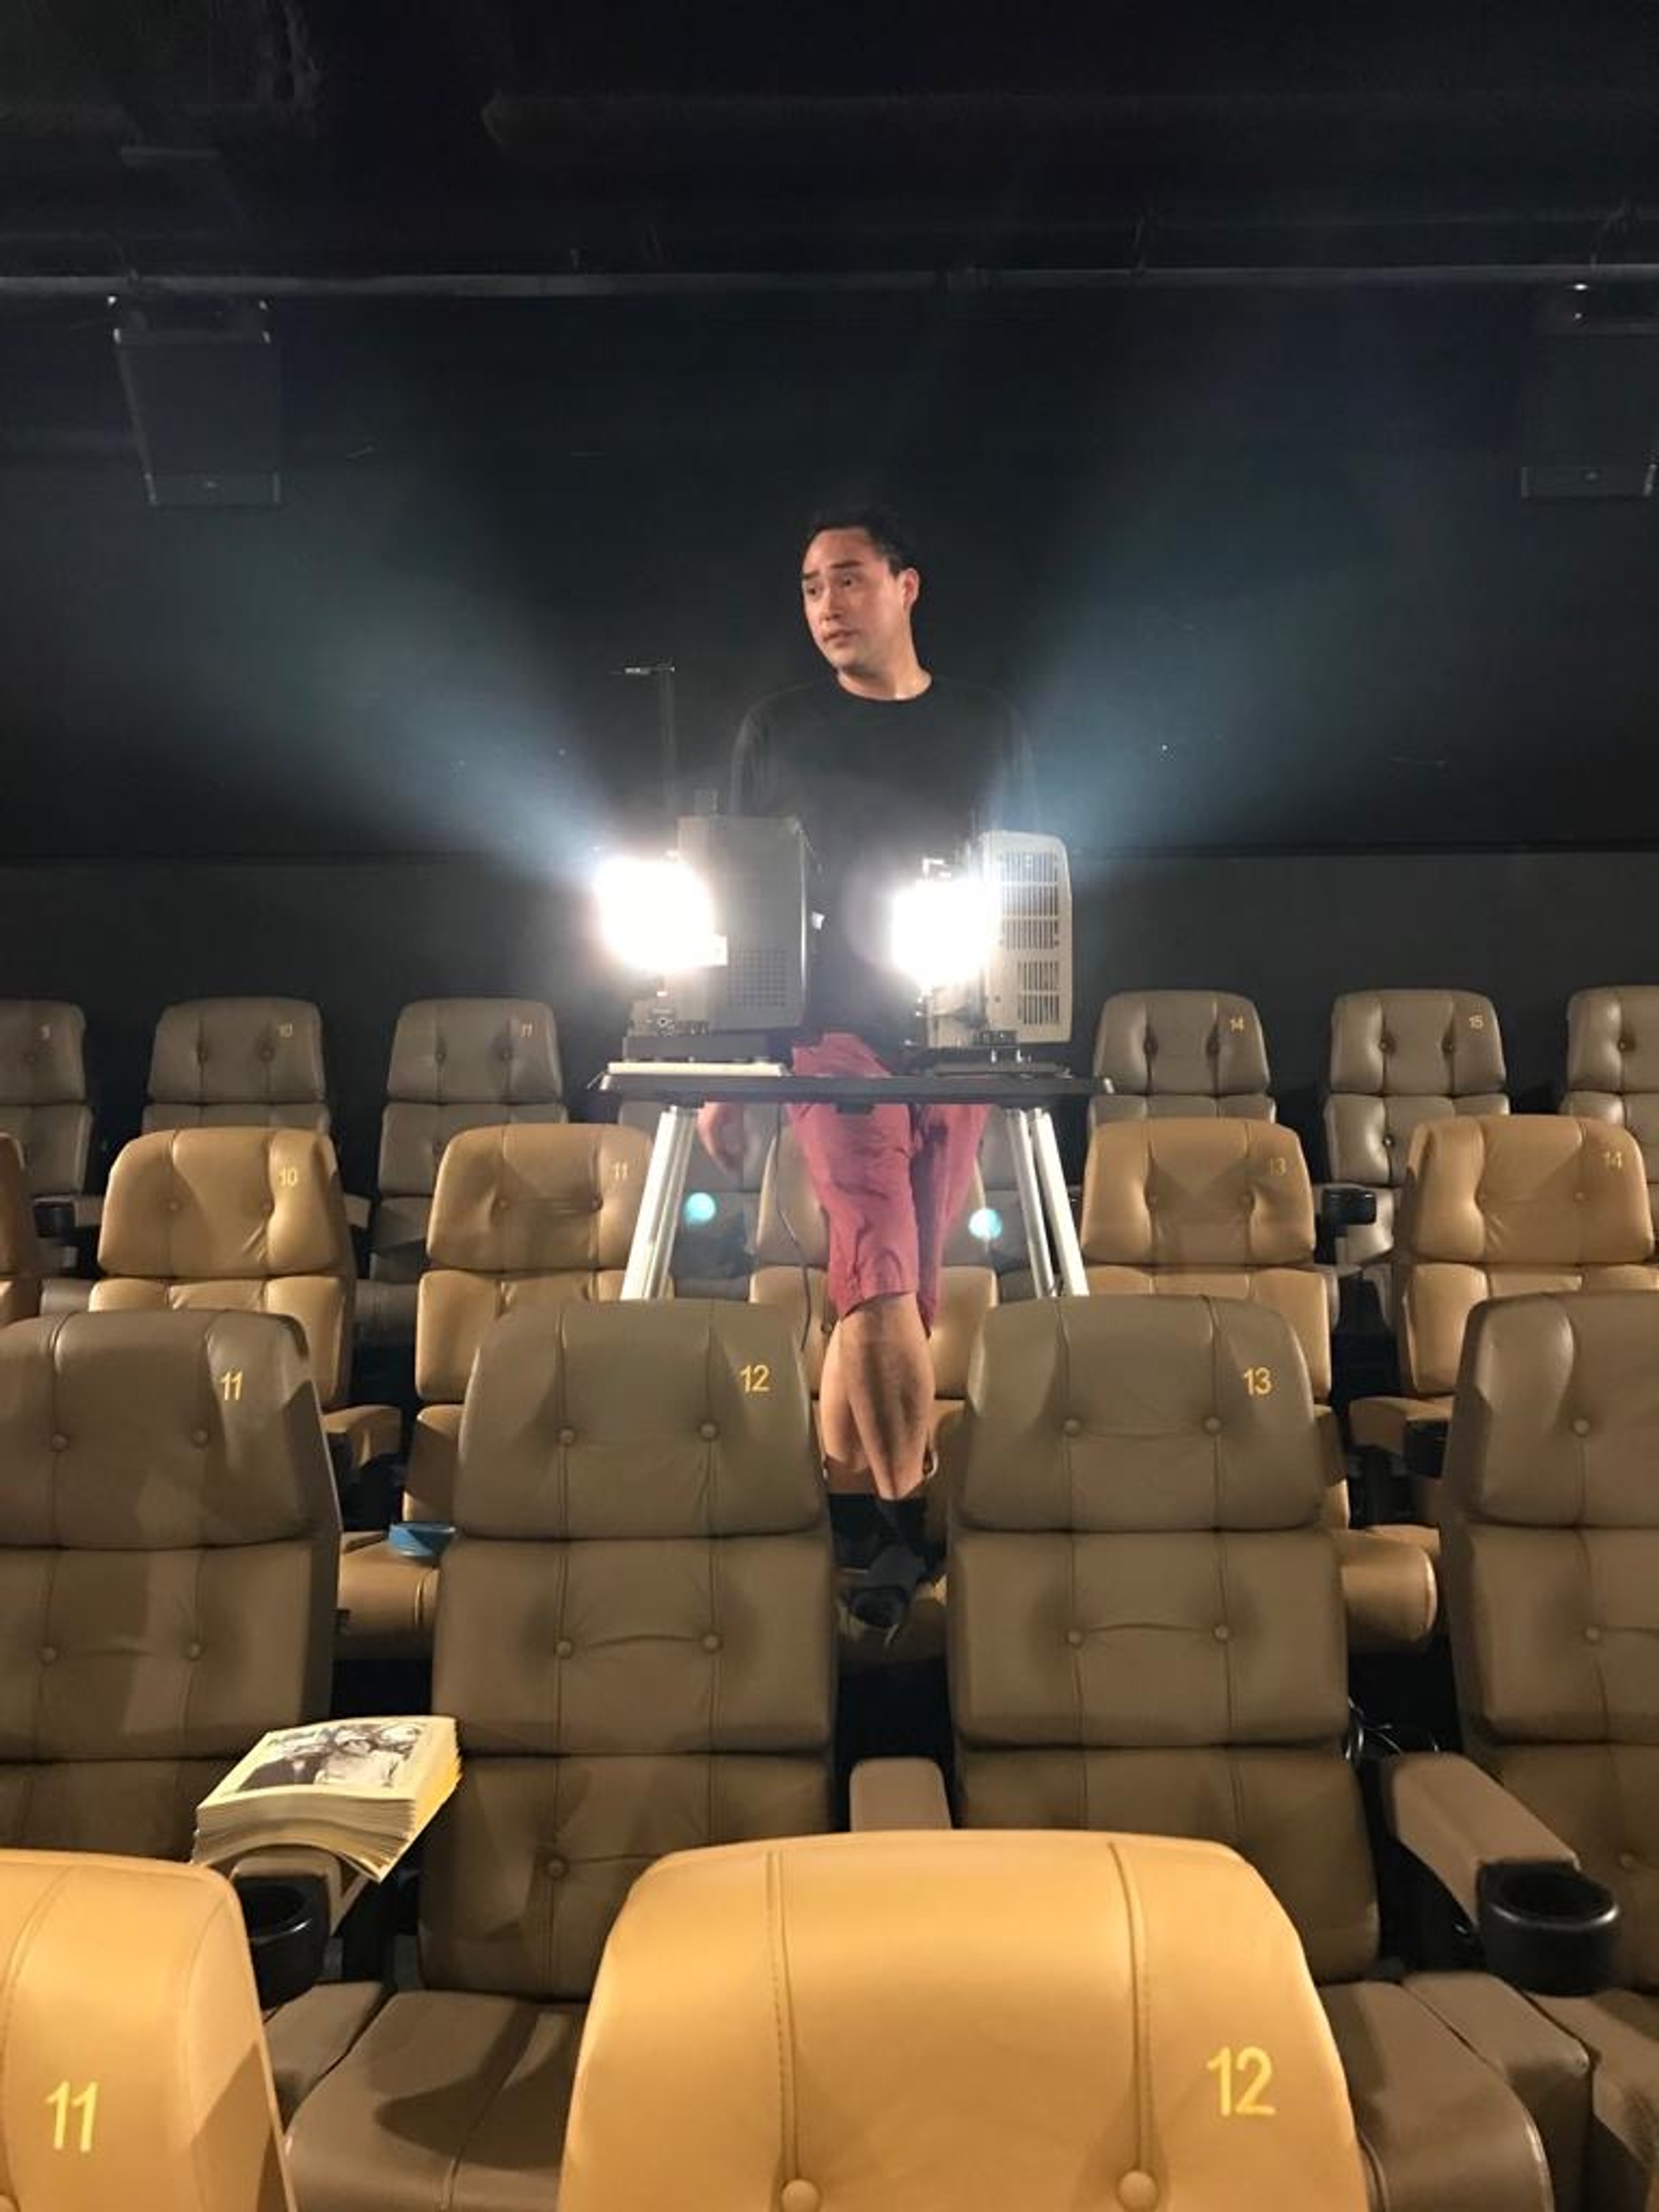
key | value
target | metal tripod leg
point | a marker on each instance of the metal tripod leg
(1022, 1144)
(647, 1274)
(1057, 1205)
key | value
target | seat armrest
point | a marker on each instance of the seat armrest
(293, 1899)
(897, 1793)
(1425, 1452)
(357, 1211)
(360, 1435)
(1345, 1206)
(1450, 1813)
(1380, 1423)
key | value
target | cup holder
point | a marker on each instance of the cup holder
(1547, 1927)
(287, 1922)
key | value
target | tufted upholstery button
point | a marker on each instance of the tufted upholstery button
(1628, 1862)
(708, 1432)
(1074, 1638)
(198, 1436)
(1071, 1426)
(173, 1205)
(800, 2197)
(60, 1444)
(267, 1052)
(1388, 1139)
(192, 1650)
(711, 1642)
(1627, 1044)
(563, 1648)
(1248, 1202)
(1592, 1634)
(48, 1653)
(1151, 1046)
(1385, 1044)
(567, 1436)
(1581, 1427)
(1222, 1633)
(440, 1054)
(498, 1205)
(1138, 2192)
(1212, 1424)
(555, 1867)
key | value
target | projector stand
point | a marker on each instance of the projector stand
(1023, 1100)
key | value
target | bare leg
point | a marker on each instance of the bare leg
(887, 1379)
(846, 1463)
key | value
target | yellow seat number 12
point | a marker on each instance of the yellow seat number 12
(1242, 2080)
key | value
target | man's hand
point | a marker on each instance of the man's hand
(720, 1126)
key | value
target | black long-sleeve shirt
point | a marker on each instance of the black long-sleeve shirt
(879, 785)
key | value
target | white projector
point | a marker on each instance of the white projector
(987, 939)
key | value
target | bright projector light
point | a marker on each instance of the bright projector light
(945, 929)
(657, 915)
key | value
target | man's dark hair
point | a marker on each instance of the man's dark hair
(879, 525)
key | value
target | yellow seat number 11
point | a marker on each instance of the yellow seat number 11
(63, 2102)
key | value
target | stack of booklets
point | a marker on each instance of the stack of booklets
(361, 1789)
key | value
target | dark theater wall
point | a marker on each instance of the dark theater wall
(360, 938)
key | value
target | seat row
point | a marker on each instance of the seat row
(1397, 1058)
(636, 1637)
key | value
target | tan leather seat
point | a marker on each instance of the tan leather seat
(1497, 1209)
(1224, 1209)
(1182, 1053)
(525, 1215)
(636, 1638)
(958, 2024)
(1001, 1241)
(251, 1220)
(136, 2074)
(1612, 1063)
(1146, 1634)
(1399, 1059)
(456, 1064)
(715, 1257)
(169, 1542)
(238, 1063)
(21, 1259)
(1551, 1521)
(43, 1093)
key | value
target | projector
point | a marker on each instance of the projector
(985, 939)
(988, 941)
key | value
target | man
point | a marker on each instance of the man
(884, 765)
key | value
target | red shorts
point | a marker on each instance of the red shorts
(891, 1181)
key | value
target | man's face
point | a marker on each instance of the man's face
(858, 610)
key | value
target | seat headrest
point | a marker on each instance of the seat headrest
(1139, 1415)
(1205, 1044)
(240, 1052)
(1416, 1044)
(1525, 1189)
(20, 1248)
(160, 1431)
(42, 1061)
(1181, 1193)
(533, 1198)
(1612, 1038)
(498, 1052)
(225, 1206)
(130, 2043)
(1558, 1412)
(739, 1986)
(687, 1418)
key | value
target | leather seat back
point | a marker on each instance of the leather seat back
(636, 1632)
(1210, 1209)
(245, 1219)
(238, 1063)
(20, 1261)
(1146, 1629)
(1612, 1063)
(759, 1969)
(1182, 1053)
(1498, 1208)
(792, 1261)
(1550, 1522)
(525, 1215)
(133, 2057)
(169, 1553)
(43, 1093)
(1398, 1058)
(456, 1064)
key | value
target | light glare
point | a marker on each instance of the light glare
(944, 930)
(985, 1223)
(657, 915)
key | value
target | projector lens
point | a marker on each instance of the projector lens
(698, 1210)
(985, 1223)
